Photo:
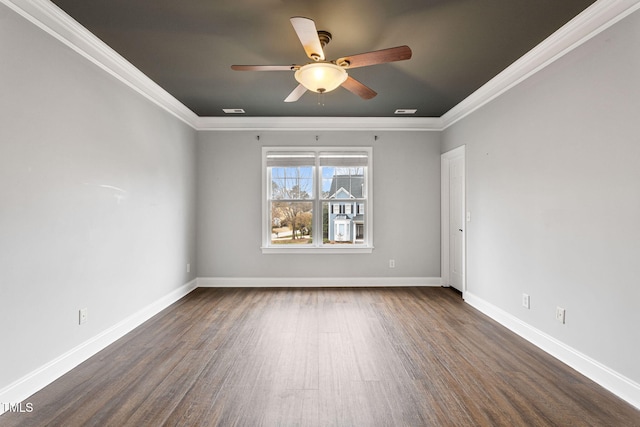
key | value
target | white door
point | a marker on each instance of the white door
(453, 219)
(456, 223)
(342, 231)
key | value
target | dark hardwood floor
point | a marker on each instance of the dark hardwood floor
(323, 357)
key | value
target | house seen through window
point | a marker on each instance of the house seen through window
(317, 198)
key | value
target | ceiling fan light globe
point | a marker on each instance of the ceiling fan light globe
(321, 77)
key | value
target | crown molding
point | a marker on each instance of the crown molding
(596, 18)
(54, 21)
(320, 123)
(599, 16)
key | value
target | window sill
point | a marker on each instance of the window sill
(316, 250)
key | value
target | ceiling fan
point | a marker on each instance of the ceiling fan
(323, 76)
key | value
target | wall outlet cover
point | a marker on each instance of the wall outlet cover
(526, 301)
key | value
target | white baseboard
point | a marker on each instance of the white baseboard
(616, 383)
(315, 282)
(21, 389)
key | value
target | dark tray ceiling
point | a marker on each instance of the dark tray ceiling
(187, 47)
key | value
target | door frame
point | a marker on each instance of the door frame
(445, 161)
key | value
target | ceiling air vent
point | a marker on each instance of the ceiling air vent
(406, 111)
(233, 110)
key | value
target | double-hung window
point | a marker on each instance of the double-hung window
(316, 199)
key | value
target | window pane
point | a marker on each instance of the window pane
(343, 182)
(292, 183)
(291, 223)
(341, 225)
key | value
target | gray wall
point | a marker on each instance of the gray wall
(406, 187)
(97, 202)
(553, 168)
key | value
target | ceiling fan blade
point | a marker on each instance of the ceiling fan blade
(358, 88)
(308, 35)
(391, 54)
(264, 67)
(296, 94)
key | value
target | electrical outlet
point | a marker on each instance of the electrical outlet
(560, 314)
(188, 268)
(392, 263)
(526, 301)
(83, 316)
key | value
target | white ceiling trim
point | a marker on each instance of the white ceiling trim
(320, 123)
(592, 21)
(47, 16)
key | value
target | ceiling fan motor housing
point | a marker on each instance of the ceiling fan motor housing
(325, 38)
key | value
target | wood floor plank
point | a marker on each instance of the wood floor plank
(323, 357)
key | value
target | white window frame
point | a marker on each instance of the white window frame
(317, 246)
